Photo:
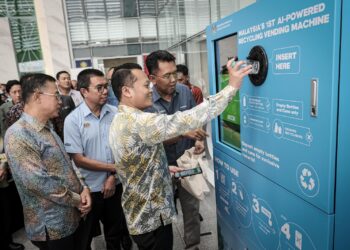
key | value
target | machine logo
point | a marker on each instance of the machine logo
(307, 179)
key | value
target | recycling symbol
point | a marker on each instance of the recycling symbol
(307, 179)
(307, 182)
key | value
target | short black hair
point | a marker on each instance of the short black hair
(34, 82)
(156, 56)
(182, 69)
(25, 78)
(84, 77)
(126, 66)
(10, 84)
(60, 73)
(121, 78)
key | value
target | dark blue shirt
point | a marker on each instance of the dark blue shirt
(111, 98)
(182, 100)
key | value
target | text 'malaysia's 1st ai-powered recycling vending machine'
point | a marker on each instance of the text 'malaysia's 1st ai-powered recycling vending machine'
(281, 173)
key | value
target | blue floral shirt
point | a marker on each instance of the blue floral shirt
(48, 185)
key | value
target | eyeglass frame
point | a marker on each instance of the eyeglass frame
(57, 95)
(174, 74)
(101, 87)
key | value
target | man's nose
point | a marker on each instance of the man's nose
(173, 78)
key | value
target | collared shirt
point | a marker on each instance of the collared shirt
(4, 108)
(67, 106)
(86, 134)
(46, 181)
(112, 99)
(182, 100)
(136, 140)
(14, 113)
(76, 96)
(197, 93)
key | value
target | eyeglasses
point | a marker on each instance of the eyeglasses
(57, 95)
(101, 88)
(168, 76)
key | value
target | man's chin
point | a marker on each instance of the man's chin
(150, 104)
(55, 115)
(146, 106)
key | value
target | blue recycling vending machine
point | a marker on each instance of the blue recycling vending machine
(282, 146)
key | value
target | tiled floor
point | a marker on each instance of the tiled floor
(208, 241)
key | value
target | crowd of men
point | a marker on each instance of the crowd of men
(104, 153)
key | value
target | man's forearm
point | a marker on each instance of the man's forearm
(172, 140)
(90, 164)
(155, 129)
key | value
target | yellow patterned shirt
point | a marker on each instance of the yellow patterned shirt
(136, 140)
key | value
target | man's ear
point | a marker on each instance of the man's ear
(36, 96)
(83, 91)
(126, 91)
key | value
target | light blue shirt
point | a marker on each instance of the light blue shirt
(86, 134)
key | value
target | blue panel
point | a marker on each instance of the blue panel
(255, 213)
(342, 219)
(279, 137)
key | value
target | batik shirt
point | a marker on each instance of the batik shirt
(136, 140)
(47, 184)
(14, 113)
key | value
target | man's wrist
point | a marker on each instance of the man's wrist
(115, 176)
(230, 90)
(111, 167)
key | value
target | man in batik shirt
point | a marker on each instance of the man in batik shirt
(53, 197)
(136, 140)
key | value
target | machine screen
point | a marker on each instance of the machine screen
(229, 121)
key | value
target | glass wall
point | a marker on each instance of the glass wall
(24, 29)
(177, 25)
(96, 23)
(181, 25)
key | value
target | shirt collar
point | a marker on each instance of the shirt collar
(128, 109)
(86, 110)
(59, 91)
(156, 96)
(38, 126)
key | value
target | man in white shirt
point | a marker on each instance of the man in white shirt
(64, 85)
